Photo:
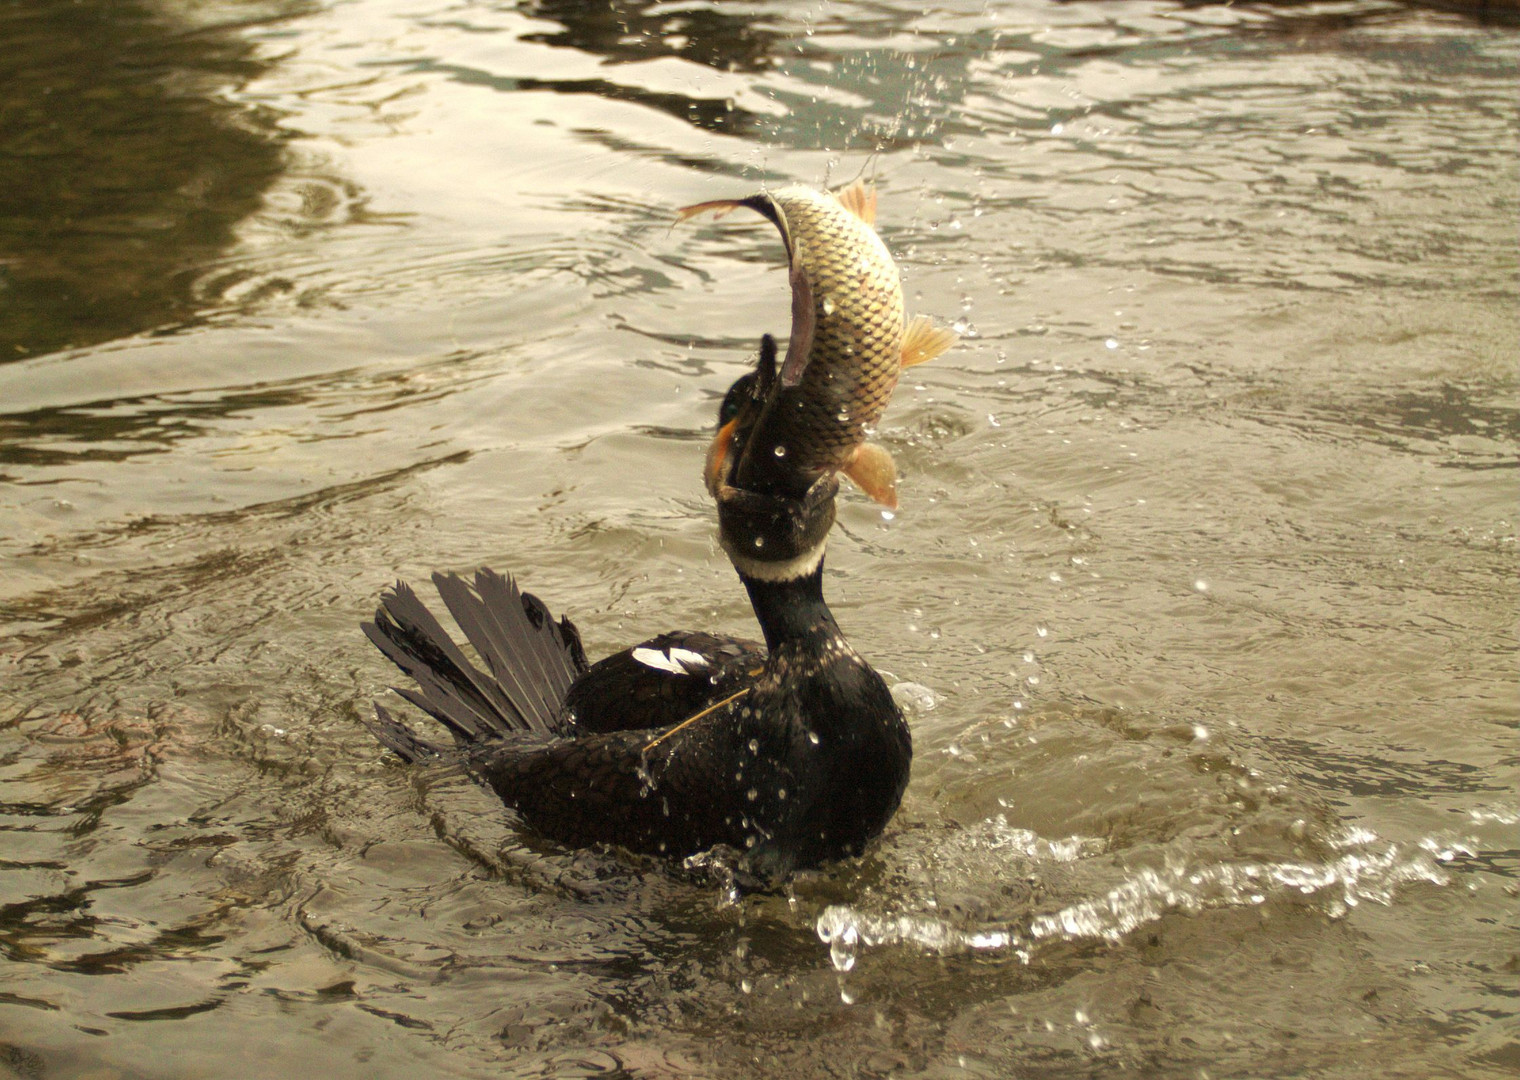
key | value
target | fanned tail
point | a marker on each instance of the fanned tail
(396, 736)
(532, 660)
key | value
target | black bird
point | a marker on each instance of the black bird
(793, 753)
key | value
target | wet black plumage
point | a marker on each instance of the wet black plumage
(793, 752)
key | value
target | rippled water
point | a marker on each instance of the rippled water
(1202, 596)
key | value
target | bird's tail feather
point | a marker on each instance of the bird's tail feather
(531, 657)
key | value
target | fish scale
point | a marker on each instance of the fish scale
(848, 344)
(852, 365)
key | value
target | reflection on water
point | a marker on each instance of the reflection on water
(122, 167)
(1201, 594)
(631, 31)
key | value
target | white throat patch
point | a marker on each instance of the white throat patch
(763, 570)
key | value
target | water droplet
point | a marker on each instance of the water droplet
(1042, 631)
(780, 451)
(754, 746)
(781, 794)
(1111, 343)
(887, 515)
(828, 306)
(813, 737)
(752, 794)
(759, 541)
(1201, 586)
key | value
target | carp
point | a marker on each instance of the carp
(849, 342)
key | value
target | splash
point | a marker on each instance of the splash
(1366, 869)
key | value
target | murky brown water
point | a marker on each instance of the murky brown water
(1204, 588)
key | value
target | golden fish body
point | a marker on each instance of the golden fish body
(848, 345)
(845, 351)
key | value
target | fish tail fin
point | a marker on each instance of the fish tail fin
(718, 207)
(923, 341)
(761, 204)
(874, 472)
(859, 199)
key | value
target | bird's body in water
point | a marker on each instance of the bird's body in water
(791, 752)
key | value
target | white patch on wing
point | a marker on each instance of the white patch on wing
(691, 661)
(676, 661)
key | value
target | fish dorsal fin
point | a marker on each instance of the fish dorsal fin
(923, 341)
(872, 469)
(859, 200)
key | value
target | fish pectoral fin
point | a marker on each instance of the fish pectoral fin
(803, 324)
(923, 341)
(859, 200)
(872, 469)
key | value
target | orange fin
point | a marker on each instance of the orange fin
(859, 200)
(875, 473)
(719, 208)
(923, 341)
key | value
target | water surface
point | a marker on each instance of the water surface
(1202, 594)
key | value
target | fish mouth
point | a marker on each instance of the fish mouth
(813, 413)
(786, 516)
(730, 456)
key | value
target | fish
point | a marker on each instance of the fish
(849, 343)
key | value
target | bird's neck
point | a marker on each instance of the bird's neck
(791, 610)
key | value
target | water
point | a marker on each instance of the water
(1202, 593)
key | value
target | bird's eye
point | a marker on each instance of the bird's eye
(734, 400)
